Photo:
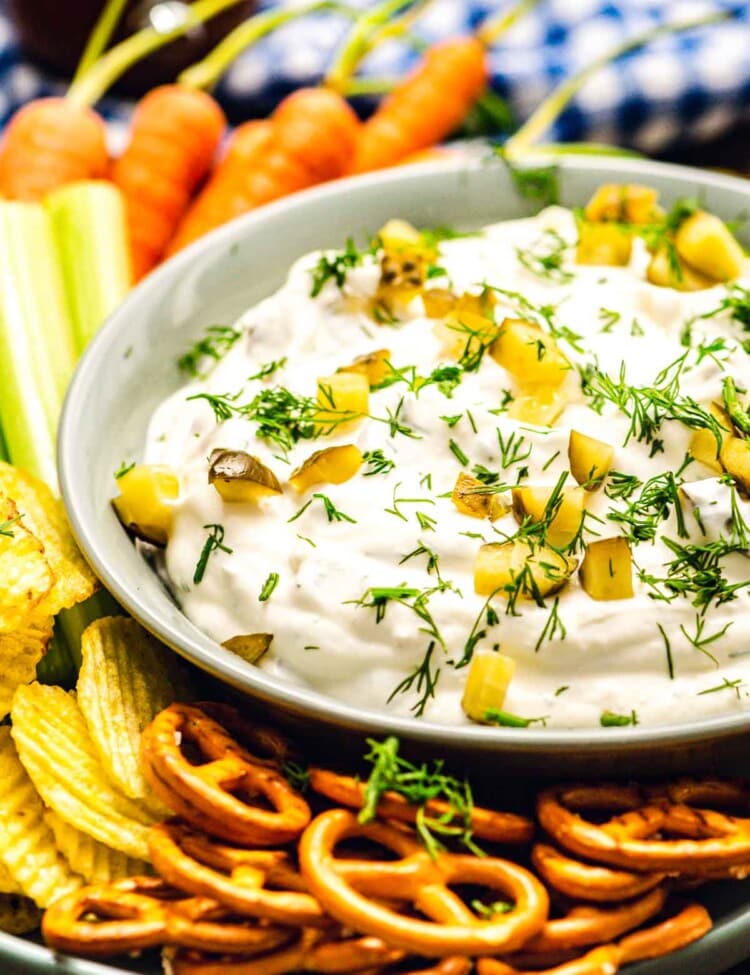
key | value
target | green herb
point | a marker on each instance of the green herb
(544, 258)
(701, 642)
(621, 486)
(335, 266)
(667, 650)
(553, 627)
(6, 527)
(659, 497)
(636, 329)
(432, 558)
(399, 501)
(268, 586)
(562, 690)
(458, 453)
(223, 404)
(609, 319)
(711, 350)
(214, 345)
(738, 415)
(544, 316)
(214, 542)
(726, 684)
(422, 679)
(508, 720)
(377, 462)
(124, 469)
(488, 911)
(512, 448)
(332, 512)
(737, 303)
(608, 719)
(297, 776)
(538, 184)
(452, 420)
(695, 573)
(268, 369)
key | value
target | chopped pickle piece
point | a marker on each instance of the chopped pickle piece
(398, 235)
(531, 503)
(542, 407)
(438, 302)
(590, 459)
(463, 334)
(250, 646)
(707, 245)
(487, 682)
(735, 459)
(144, 505)
(624, 203)
(331, 465)
(470, 498)
(529, 354)
(668, 271)
(607, 244)
(373, 366)
(536, 571)
(239, 476)
(703, 445)
(607, 569)
(344, 398)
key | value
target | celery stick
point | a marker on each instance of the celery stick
(91, 234)
(36, 338)
(3, 448)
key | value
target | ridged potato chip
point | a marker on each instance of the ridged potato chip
(122, 685)
(25, 574)
(95, 862)
(20, 652)
(18, 915)
(8, 883)
(45, 517)
(56, 749)
(27, 846)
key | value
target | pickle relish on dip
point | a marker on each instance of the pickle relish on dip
(498, 477)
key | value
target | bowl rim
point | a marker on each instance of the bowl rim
(194, 645)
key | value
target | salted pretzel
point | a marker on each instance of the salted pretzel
(312, 951)
(589, 882)
(144, 912)
(262, 744)
(696, 839)
(486, 824)
(604, 960)
(217, 796)
(678, 931)
(257, 883)
(352, 890)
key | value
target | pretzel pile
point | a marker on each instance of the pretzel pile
(251, 882)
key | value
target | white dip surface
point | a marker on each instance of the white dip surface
(600, 655)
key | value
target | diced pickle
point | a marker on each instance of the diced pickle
(487, 683)
(590, 459)
(707, 245)
(735, 459)
(250, 646)
(241, 477)
(438, 302)
(331, 465)
(529, 354)
(499, 566)
(667, 271)
(373, 366)
(603, 244)
(531, 503)
(624, 203)
(397, 235)
(471, 499)
(464, 333)
(344, 398)
(543, 407)
(144, 505)
(607, 569)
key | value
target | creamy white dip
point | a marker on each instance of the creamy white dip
(598, 656)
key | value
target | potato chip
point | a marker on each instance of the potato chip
(122, 685)
(95, 862)
(45, 516)
(25, 574)
(27, 846)
(20, 652)
(57, 751)
(8, 883)
(18, 915)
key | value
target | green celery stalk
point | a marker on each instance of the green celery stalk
(88, 220)
(37, 355)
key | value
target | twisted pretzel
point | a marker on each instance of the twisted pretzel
(205, 795)
(713, 793)
(311, 952)
(259, 883)
(583, 881)
(604, 960)
(261, 744)
(144, 912)
(690, 924)
(345, 888)
(486, 824)
(704, 840)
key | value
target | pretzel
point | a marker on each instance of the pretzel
(703, 839)
(604, 960)
(690, 924)
(586, 925)
(204, 795)
(311, 952)
(346, 889)
(258, 883)
(713, 793)
(262, 745)
(486, 824)
(586, 882)
(144, 912)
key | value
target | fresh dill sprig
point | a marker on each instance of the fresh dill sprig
(268, 369)
(214, 542)
(553, 627)
(608, 719)
(508, 720)
(659, 497)
(335, 266)
(377, 462)
(214, 345)
(545, 257)
(123, 469)
(268, 587)
(726, 685)
(332, 512)
(6, 527)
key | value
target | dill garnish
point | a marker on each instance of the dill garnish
(214, 542)
(214, 345)
(268, 586)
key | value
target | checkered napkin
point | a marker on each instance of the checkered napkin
(685, 88)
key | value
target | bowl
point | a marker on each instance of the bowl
(130, 367)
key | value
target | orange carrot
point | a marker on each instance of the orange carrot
(174, 135)
(309, 139)
(424, 108)
(48, 143)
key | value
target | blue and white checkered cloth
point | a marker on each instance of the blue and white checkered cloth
(685, 88)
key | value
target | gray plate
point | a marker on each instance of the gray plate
(130, 367)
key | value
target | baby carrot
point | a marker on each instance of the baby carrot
(424, 108)
(174, 135)
(309, 139)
